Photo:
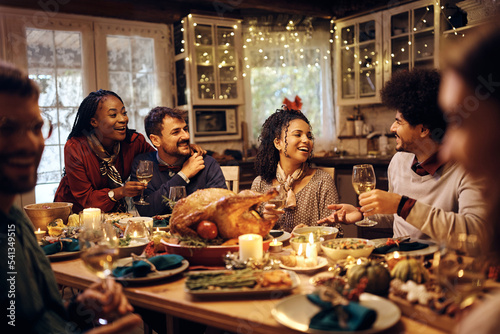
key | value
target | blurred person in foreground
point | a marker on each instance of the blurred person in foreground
(470, 98)
(284, 158)
(174, 163)
(428, 196)
(36, 300)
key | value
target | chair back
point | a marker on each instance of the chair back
(329, 170)
(232, 176)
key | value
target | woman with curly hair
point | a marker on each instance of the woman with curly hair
(284, 158)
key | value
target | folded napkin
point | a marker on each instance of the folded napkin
(142, 268)
(64, 245)
(359, 317)
(160, 223)
(403, 247)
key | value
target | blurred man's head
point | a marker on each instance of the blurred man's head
(21, 138)
(414, 97)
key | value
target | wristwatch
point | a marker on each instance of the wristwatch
(111, 195)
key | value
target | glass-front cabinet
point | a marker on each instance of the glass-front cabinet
(358, 45)
(211, 49)
(411, 37)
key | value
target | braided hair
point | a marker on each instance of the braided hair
(267, 155)
(87, 110)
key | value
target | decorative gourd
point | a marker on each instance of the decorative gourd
(378, 277)
(410, 269)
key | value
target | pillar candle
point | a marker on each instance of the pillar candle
(91, 217)
(250, 247)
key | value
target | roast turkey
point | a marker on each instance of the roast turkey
(233, 214)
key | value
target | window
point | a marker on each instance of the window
(128, 58)
(275, 69)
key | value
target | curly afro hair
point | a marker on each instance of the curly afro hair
(267, 155)
(415, 95)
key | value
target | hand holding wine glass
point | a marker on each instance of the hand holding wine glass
(144, 175)
(363, 180)
(280, 200)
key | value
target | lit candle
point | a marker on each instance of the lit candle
(250, 246)
(39, 235)
(300, 258)
(313, 250)
(91, 217)
(275, 246)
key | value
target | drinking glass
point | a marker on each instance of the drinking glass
(144, 175)
(363, 180)
(280, 200)
(461, 267)
(175, 194)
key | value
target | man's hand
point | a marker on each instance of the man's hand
(130, 189)
(197, 149)
(123, 325)
(106, 299)
(344, 213)
(193, 165)
(379, 202)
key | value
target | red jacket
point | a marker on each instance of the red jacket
(83, 185)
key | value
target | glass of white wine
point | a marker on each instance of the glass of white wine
(280, 200)
(363, 180)
(144, 175)
(461, 267)
(99, 244)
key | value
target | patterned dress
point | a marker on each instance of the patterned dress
(312, 201)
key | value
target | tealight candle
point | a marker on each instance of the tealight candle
(250, 247)
(275, 246)
(91, 217)
(300, 258)
(39, 235)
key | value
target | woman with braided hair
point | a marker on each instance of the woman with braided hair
(98, 156)
(284, 158)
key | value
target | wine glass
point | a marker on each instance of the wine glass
(363, 180)
(280, 200)
(461, 267)
(175, 194)
(99, 244)
(144, 175)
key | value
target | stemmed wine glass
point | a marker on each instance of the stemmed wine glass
(461, 268)
(363, 180)
(175, 194)
(144, 175)
(280, 200)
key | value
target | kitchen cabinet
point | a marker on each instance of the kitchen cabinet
(359, 69)
(411, 37)
(207, 61)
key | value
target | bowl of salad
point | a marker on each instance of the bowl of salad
(341, 248)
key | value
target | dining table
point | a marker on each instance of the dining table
(247, 314)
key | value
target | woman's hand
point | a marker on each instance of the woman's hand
(123, 325)
(130, 189)
(105, 299)
(197, 149)
(270, 212)
(344, 213)
(379, 202)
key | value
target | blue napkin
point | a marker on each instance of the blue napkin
(403, 247)
(65, 245)
(142, 268)
(359, 317)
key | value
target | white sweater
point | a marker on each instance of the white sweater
(448, 202)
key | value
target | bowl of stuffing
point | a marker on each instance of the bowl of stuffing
(341, 248)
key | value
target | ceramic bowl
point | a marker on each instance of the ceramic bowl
(43, 213)
(136, 246)
(326, 232)
(337, 253)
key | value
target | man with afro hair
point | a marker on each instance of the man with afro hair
(427, 197)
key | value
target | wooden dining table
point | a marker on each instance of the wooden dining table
(249, 315)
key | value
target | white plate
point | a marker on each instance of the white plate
(284, 237)
(321, 263)
(63, 255)
(433, 247)
(244, 291)
(152, 276)
(296, 312)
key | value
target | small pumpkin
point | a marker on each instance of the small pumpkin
(378, 276)
(410, 269)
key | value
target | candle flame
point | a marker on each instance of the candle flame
(396, 255)
(39, 230)
(299, 251)
(135, 234)
(359, 261)
(157, 229)
(275, 242)
(311, 238)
